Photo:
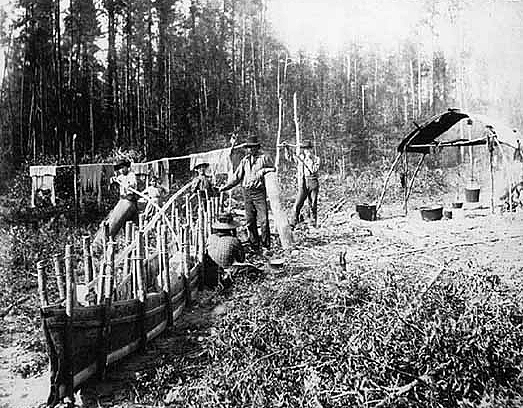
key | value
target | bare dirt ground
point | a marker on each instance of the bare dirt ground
(473, 240)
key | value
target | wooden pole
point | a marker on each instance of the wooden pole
(178, 224)
(296, 124)
(405, 190)
(100, 295)
(70, 272)
(386, 182)
(206, 224)
(133, 254)
(75, 181)
(106, 320)
(201, 235)
(141, 288)
(507, 170)
(59, 275)
(128, 240)
(278, 135)
(409, 190)
(109, 270)
(187, 263)
(201, 245)
(166, 280)
(159, 249)
(91, 257)
(88, 271)
(68, 379)
(105, 235)
(42, 285)
(490, 147)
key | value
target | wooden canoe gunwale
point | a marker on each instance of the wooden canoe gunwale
(88, 323)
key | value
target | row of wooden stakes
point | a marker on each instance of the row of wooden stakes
(188, 235)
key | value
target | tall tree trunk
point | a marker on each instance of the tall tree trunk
(111, 70)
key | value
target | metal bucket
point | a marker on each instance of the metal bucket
(431, 213)
(472, 195)
(366, 212)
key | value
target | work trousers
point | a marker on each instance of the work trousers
(308, 189)
(256, 212)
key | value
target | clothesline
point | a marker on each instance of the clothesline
(187, 156)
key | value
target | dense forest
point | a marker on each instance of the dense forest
(165, 77)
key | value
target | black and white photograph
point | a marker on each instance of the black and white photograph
(261, 203)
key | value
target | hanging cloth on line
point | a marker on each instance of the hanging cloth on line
(91, 180)
(42, 178)
(160, 169)
(219, 161)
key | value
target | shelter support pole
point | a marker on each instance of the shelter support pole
(507, 170)
(415, 174)
(405, 188)
(490, 146)
(382, 196)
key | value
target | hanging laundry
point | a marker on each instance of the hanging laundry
(42, 179)
(140, 168)
(160, 169)
(91, 180)
(219, 161)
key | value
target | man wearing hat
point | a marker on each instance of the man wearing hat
(250, 173)
(202, 182)
(223, 250)
(308, 185)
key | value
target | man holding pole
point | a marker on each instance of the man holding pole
(308, 184)
(250, 173)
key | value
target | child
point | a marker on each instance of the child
(154, 193)
(202, 182)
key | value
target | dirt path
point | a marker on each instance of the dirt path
(476, 238)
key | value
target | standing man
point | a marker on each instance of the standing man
(250, 173)
(308, 185)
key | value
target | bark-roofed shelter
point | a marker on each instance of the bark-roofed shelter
(433, 134)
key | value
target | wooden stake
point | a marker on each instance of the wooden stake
(88, 271)
(186, 263)
(380, 201)
(91, 257)
(201, 246)
(100, 295)
(159, 249)
(166, 280)
(105, 236)
(109, 271)
(69, 274)
(206, 224)
(68, 379)
(133, 265)
(106, 320)
(42, 285)
(128, 241)
(141, 288)
(201, 235)
(59, 275)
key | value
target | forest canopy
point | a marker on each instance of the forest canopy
(167, 77)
